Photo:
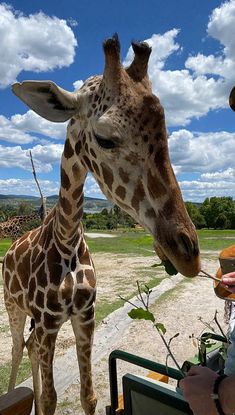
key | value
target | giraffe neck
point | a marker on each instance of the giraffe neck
(69, 211)
(13, 226)
(26, 218)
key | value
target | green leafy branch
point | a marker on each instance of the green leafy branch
(143, 313)
(203, 343)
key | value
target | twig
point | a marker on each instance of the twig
(206, 275)
(207, 325)
(34, 174)
(148, 295)
(170, 354)
(43, 200)
(218, 324)
(127, 301)
(141, 297)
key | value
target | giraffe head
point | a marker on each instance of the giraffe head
(119, 131)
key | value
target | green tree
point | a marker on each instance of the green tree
(221, 221)
(24, 209)
(195, 215)
(213, 208)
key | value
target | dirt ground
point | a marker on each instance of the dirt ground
(179, 309)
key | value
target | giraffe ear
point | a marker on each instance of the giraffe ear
(47, 99)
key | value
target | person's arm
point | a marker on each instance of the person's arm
(198, 386)
(227, 394)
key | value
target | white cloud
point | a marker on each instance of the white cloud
(221, 26)
(44, 157)
(78, 84)
(162, 47)
(202, 152)
(183, 94)
(198, 190)
(205, 81)
(28, 187)
(19, 128)
(72, 22)
(33, 43)
(9, 132)
(33, 123)
(92, 189)
(228, 174)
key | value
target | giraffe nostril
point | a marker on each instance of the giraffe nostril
(188, 245)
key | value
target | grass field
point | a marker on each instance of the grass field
(23, 373)
(140, 243)
(4, 245)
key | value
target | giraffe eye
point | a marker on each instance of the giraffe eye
(104, 142)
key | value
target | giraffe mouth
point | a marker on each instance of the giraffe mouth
(187, 265)
(160, 252)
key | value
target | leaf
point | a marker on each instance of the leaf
(175, 335)
(169, 267)
(160, 327)
(141, 314)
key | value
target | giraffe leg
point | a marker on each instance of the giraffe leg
(83, 328)
(17, 322)
(32, 352)
(45, 348)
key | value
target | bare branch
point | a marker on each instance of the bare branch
(141, 297)
(127, 301)
(218, 324)
(206, 275)
(170, 354)
(43, 199)
(34, 174)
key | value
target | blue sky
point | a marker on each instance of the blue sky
(192, 69)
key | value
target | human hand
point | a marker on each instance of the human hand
(228, 281)
(197, 387)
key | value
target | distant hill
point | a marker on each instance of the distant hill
(17, 197)
(91, 205)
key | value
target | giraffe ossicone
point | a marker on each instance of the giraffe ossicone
(117, 132)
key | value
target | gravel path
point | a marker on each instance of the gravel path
(177, 302)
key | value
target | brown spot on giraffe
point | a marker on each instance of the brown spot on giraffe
(66, 205)
(39, 299)
(68, 149)
(77, 192)
(155, 186)
(79, 277)
(65, 181)
(67, 289)
(50, 321)
(107, 175)
(121, 192)
(81, 297)
(138, 196)
(53, 303)
(89, 274)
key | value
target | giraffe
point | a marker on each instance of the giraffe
(117, 132)
(13, 227)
